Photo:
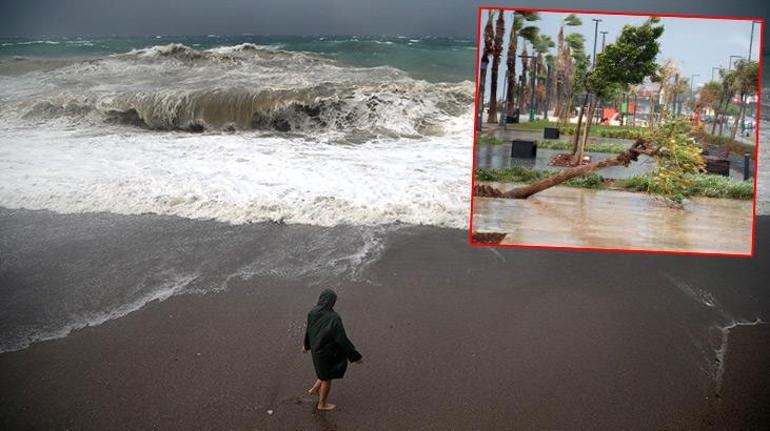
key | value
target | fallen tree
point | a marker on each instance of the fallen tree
(676, 152)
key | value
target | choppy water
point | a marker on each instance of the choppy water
(349, 135)
(326, 133)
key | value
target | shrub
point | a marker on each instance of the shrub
(488, 140)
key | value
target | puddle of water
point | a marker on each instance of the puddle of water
(499, 157)
(572, 217)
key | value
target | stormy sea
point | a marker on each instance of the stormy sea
(361, 132)
(136, 172)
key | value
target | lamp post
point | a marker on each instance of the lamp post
(751, 41)
(604, 35)
(730, 66)
(532, 99)
(712, 71)
(482, 82)
(596, 36)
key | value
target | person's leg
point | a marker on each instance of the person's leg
(316, 386)
(323, 395)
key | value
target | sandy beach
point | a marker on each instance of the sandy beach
(453, 336)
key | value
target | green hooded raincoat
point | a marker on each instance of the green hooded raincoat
(325, 338)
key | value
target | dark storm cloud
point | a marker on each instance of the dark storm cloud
(299, 17)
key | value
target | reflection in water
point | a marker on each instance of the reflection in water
(573, 217)
(499, 157)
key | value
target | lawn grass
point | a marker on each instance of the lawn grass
(488, 140)
(712, 186)
(519, 174)
(616, 132)
(603, 147)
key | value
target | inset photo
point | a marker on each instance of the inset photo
(610, 131)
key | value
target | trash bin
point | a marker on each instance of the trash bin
(523, 149)
(551, 133)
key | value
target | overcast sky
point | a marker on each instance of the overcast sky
(302, 17)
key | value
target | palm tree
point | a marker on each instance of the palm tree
(519, 18)
(489, 35)
(497, 50)
(576, 64)
(528, 34)
(542, 45)
(563, 64)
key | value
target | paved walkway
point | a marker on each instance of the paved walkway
(573, 217)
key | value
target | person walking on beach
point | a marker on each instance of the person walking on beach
(329, 346)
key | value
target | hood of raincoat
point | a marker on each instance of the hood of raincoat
(327, 299)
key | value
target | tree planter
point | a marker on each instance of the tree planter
(551, 133)
(523, 149)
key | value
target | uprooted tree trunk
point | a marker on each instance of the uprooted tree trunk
(622, 159)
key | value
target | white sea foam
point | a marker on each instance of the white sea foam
(238, 178)
(27, 336)
(368, 145)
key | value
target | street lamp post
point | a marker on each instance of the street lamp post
(751, 41)
(730, 66)
(593, 58)
(712, 71)
(548, 84)
(604, 36)
(596, 36)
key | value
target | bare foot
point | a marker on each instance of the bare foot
(325, 407)
(313, 391)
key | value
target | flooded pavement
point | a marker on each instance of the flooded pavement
(499, 157)
(573, 217)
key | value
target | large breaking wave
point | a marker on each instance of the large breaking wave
(243, 87)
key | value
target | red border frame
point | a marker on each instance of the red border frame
(603, 249)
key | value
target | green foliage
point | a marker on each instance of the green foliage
(530, 33)
(613, 132)
(711, 186)
(488, 140)
(543, 43)
(604, 147)
(572, 20)
(520, 174)
(528, 16)
(628, 60)
(576, 43)
(717, 186)
(746, 76)
(513, 174)
(677, 155)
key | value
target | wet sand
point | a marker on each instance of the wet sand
(574, 217)
(454, 337)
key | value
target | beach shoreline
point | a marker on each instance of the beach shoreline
(453, 337)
